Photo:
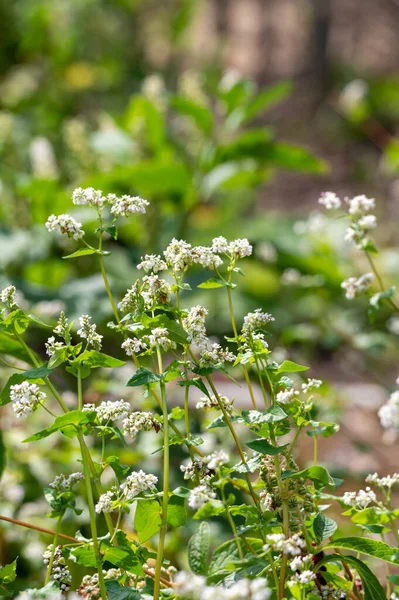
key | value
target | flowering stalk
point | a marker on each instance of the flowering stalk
(55, 543)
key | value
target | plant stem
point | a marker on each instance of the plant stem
(55, 542)
(165, 497)
(37, 528)
(233, 324)
(380, 281)
(90, 500)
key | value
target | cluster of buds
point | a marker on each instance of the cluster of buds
(139, 421)
(9, 297)
(88, 332)
(59, 570)
(354, 286)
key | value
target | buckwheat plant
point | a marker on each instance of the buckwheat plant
(281, 544)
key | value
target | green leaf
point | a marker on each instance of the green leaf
(69, 424)
(322, 428)
(60, 356)
(272, 415)
(201, 115)
(147, 519)
(212, 508)
(323, 527)
(288, 366)
(198, 548)
(8, 573)
(176, 332)
(177, 513)
(9, 345)
(17, 320)
(81, 252)
(120, 470)
(316, 474)
(95, 359)
(122, 556)
(264, 447)
(84, 555)
(374, 548)
(373, 590)
(268, 98)
(143, 377)
(296, 158)
(211, 284)
(110, 229)
(38, 321)
(115, 591)
(373, 516)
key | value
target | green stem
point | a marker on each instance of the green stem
(165, 497)
(106, 282)
(379, 279)
(90, 500)
(233, 324)
(315, 449)
(55, 543)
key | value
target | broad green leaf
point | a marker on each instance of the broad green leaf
(263, 447)
(69, 424)
(211, 283)
(176, 332)
(17, 320)
(372, 516)
(147, 519)
(373, 590)
(81, 252)
(115, 591)
(317, 474)
(198, 548)
(177, 513)
(38, 321)
(288, 366)
(8, 573)
(323, 527)
(272, 415)
(367, 546)
(9, 345)
(201, 115)
(84, 555)
(143, 377)
(122, 556)
(95, 359)
(212, 508)
(59, 357)
(120, 470)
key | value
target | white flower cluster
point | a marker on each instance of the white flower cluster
(9, 296)
(266, 501)
(301, 563)
(256, 320)
(303, 578)
(215, 355)
(362, 222)
(139, 421)
(216, 459)
(109, 410)
(65, 224)
(127, 205)
(287, 396)
(279, 543)
(89, 196)
(59, 571)
(193, 587)
(383, 482)
(310, 385)
(239, 248)
(330, 200)
(179, 255)
(150, 292)
(62, 327)
(25, 397)
(52, 345)
(389, 412)
(88, 332)
(134, 346)
(194, 324)
(106, 502)
(208, 403)
(64, 484)
(136, 483)
(194, 469)
(152, 263)
(159, 336)
(354, 286)
(360, 499)
(200, 495)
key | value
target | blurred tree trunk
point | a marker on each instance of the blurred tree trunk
(319, 62)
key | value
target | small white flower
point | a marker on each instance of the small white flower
(360, 204)
(266, 501)
(65, 224)
(240, 248)
(88, 332)
(360, 499)
(105, 502)
(9, 296)
(109, 410)
(127, 205)
(256, 320)
(367, 222)
(152, 263)
(208, 403)
(279, 543)
(354, 286)
(330, 200)
(305, 577)
(311, 384)
(200, 495)
(386, 482)
(300, 563)
(64, 484)
(52, 346)
(139, 421)
(204, 256)
(220, 245)
(216, 459)
(188, 585)
(136, 483)
(178, 255)
(287, 396)
(25, 397)
(389, 412)
(134, 346)
(194, 324)
(215, 355)
(159, 336)
(89, 196)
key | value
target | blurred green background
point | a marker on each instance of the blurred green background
(230, 117)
